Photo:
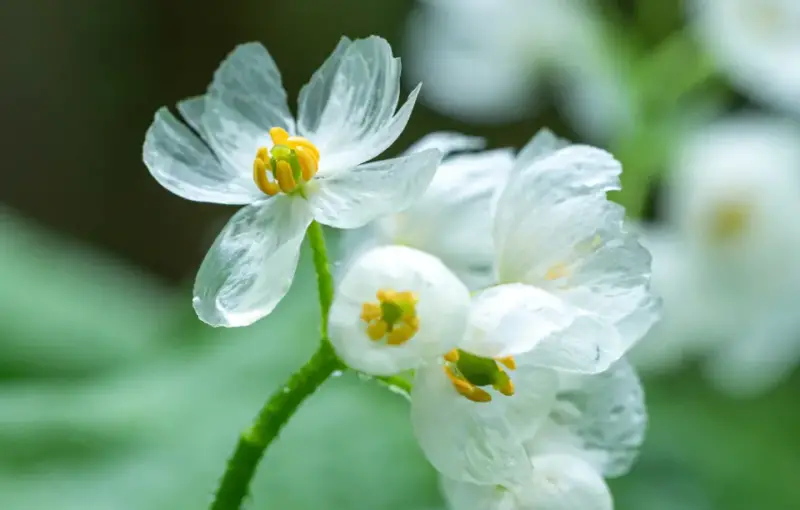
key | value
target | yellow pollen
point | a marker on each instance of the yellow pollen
(393, 318)
(729, 220)
(293, 162)
(468, 372)
(466, 388)
(556, 272)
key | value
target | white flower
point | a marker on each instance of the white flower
(573, 284)
(487, 60)
(395, 308)
(346, 116)
(726, 264)
(757, 42)
(595, 430)
(453, 218)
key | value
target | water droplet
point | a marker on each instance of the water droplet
(336, 373)
(399, 391)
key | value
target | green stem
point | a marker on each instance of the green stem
(283, 403)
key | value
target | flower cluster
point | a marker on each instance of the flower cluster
(505, 283)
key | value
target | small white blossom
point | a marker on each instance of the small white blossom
(757, 42)
(595, 430)
(489, 60)
(726, 261)
(241, 150)
(573, 285)
(396, 308)
(453, 218)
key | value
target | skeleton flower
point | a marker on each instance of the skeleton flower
(572, 295)
(395, 308)
(452, 219)
(725, 260)
(757, 42)
(242, 146)
(595, 429)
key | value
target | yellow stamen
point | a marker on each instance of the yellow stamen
(278, 135)
(508, 362)
(393, 318)
(370, 312)
(298, 142)
(260, 176)
(557, 271)
(452, 356)
(283, 173)
(506, 389)
(377, 329)
(307, 163)
(466, 388)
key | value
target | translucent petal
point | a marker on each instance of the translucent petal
(245, 99)
(544, 330)
(599, 418)
(251, 265)
(183, 164)
(480, 442)
(562, 482)
(447, 142)
(452, 219)
(543, 143)
(353, 198)
(348, 107)
(571, 240)
(441, 309)
(191, 110)
(470, 496)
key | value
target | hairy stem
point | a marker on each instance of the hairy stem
(253, 442)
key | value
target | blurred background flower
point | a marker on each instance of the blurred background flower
(114, 396)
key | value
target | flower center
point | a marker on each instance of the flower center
(393, 317)
(729, 220)
(468, 372)
(292, 162)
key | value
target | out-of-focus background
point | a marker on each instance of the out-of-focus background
(114, 396)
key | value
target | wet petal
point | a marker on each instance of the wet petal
(181, 162)
(479, 442)
(251, 265)
(561, 482)
(544, 330)
(353, 198)
(442, 306)
(348, 107)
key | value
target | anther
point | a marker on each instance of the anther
(508, 362)
(466, 388)
(279, 135)
(452, 356)
(377, 329)
(370, 312)
(283, 173)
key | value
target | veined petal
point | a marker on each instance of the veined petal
(191, 110)
(353, 198)
(543, 143)
(599, 418)
(348, 107)
(561, 482)
(572, 241)
(183, 164)
(441, 309)
(542, 329)
(251, 265)
(245, 99)
(447, 142)
(249, 83)
(480, 442)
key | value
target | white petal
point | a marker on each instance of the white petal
(447, 142)
(518, 319)
(353, 198)
(555, 229)
(348, 107)
(561, 482)
(479, 442)
(441, 309)
(599, 418)
(543, 143)
(249, 83)
(191, 110)
(470, 496)
(183, 163)
(251, 265)
(453, 219)
(245, 99)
